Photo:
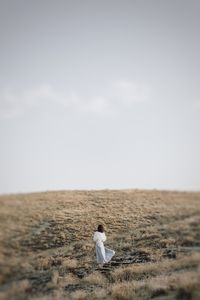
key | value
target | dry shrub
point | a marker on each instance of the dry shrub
(99, 293)
(69, 263)
(95, 278)
(88, 246)
(123, 291)
(26, 266)
(167, 242)
(54, 279)
(192, 260)
(133, 272)
(121, 274)
(62, 235)
(16, 288)
(79, 295)
(44, 263)
(55, 295)
(21, 286)
(150, 235)
(157, 255)
(78, 246)
(67, 280)
(159, 283)
(58, 295)
(186, 283)
(126, 246)
(188, 240)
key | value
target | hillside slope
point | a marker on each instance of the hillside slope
(47, 250)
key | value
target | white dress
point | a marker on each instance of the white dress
(103, 254)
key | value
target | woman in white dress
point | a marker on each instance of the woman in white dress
(103, 254)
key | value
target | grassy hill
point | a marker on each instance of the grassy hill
(47, 252)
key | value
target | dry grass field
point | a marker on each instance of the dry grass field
(47, 252)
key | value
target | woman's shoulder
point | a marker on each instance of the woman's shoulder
(99, 233)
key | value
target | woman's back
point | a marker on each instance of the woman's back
(99, 237)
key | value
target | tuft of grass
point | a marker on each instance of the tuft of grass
(67, 280)
(123, 291)
(167, 242)
(54, 279)
(55, 276)
(134, 272)
(79, 295)
(95, 278)
(99, 293)
(15, 289)
(44, 263)
(70, 263)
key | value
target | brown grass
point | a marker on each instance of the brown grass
(69, 263)
(15, 289)
(47, 250)
(186, 282)
(138, 271)
(79, 295)
(68, 279)
(100, 293)
(123, 291)
(95, 278)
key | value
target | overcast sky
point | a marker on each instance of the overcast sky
(99, 94)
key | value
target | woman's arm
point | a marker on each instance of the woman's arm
(103, 237)
(95, 238)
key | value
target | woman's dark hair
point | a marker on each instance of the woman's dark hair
(100, 228)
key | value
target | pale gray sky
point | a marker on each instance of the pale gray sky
(99, 94)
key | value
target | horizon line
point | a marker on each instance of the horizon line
(100, 189)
